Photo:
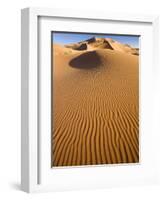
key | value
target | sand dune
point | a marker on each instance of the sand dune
(103, 43)
(95, 104)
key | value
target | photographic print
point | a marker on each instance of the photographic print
(95, 99)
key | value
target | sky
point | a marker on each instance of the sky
(67, 38)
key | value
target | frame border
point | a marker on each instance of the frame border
(30, 79)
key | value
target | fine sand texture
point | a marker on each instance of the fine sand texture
(95, 103)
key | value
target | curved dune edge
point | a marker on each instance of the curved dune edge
(95, 108)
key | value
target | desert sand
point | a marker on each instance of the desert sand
(95, 103)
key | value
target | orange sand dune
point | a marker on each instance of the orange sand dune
(95, 115)
(103, 43)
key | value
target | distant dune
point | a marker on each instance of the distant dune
(95, 103)
(103, 43)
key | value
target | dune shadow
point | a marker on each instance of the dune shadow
(88, 60)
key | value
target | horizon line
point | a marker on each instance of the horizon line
(64, 38)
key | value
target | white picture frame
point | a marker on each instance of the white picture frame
(36, 171)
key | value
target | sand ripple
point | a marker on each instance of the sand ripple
(95, 110)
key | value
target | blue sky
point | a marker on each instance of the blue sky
(67, 38)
